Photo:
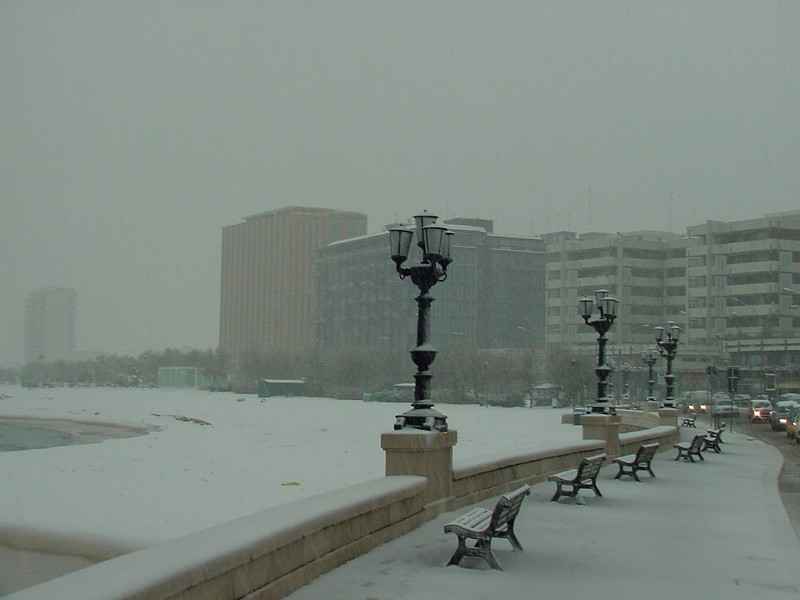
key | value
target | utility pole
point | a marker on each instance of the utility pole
(711, 371)
(733, 379)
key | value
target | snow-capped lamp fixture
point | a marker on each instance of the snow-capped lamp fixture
(434, 242)
(667, 344)
(606, 306)
(649, 357)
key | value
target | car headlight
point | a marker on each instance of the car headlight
(703, 407)
(782, 421)
(691, 407)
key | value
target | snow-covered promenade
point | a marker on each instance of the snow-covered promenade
(715, 529)
(232, 496)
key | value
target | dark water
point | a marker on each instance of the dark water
(15, 436)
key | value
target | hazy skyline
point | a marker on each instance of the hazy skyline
(132, 132)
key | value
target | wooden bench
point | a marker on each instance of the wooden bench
(641, 461)
(686, 450)
(717, 433)
(689, 422)
(482, 525)
(711, 442)
(582, 478)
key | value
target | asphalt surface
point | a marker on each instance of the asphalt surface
(789, 478)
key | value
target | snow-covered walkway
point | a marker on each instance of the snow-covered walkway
(715, 529)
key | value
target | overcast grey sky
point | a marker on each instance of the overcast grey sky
(130, 132)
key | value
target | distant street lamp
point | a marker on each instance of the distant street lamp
(434, 241)
(667, 344)
(649, 357)
(607, 308)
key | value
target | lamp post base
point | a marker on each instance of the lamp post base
(423, 418)
(603, 408)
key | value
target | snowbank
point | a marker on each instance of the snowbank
(123, 494)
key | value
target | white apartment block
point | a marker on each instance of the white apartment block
(645, 270)
(743, 285)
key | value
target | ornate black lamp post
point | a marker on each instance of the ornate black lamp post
(434, 241)
(649, 357)
(607, 309)
(667, 344)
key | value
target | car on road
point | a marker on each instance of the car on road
(779, 417)
(695, 402)
(723, 408)
(760, 410)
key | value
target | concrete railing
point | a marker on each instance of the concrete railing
(634, 420)
(261, 556)
(487, 476)
(666, 435)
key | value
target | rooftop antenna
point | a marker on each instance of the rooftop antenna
(589, 208)
(669, 211)
(547, 219)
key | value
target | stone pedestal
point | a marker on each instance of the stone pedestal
(603, 427)
(668, 416)
(430, 454)
(653, 405)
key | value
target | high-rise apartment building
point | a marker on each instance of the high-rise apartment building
(268, 289)
(50, 324)
(744, 288)
(492, 299)
(645, 270)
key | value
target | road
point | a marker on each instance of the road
(789, 479)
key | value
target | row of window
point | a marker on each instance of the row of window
(774, 233)
(751, 299)
(752, 321)
(591, 253)
(697, 302)
(675, 272)
(654, 254)
(751, 257)
(597, 271)
(643, 309)
(697, 261)
(750, 278)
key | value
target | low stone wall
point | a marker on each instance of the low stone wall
(484, 477)
(665, 435)
(634, 420)
(262, 556)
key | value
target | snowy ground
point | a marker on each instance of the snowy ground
(715, 529)
(123, 494)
